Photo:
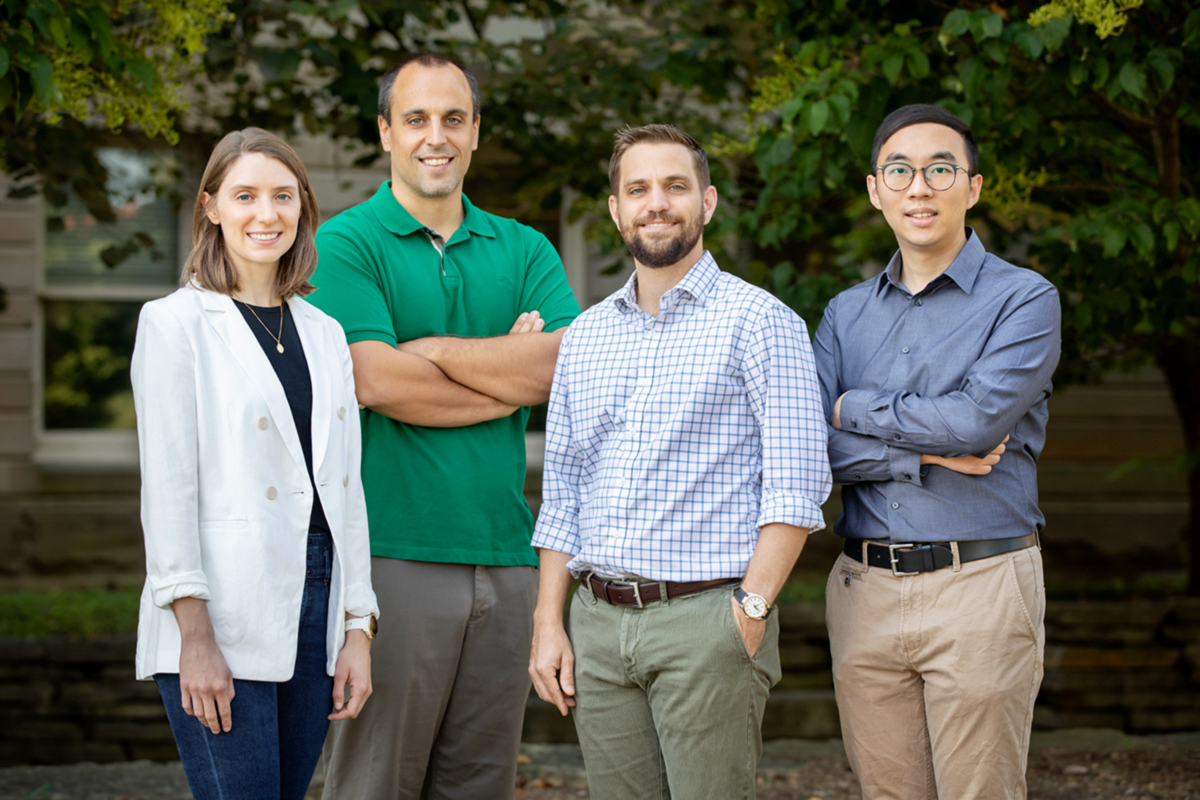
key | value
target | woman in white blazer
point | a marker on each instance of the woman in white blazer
(258, 608)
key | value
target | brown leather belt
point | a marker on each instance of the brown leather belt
(913, 558)
(623, 593)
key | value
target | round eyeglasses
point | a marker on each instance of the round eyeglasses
(938, 176)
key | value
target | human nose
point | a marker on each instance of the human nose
(657, 199)
(265, 211)
(435, 133)
(918, 187)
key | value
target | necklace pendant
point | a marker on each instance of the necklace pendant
(279, 347)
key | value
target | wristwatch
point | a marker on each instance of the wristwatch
(753, 605)
(368, 625)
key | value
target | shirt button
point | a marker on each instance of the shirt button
(907, 477)
(342, 412)
(918, 302)
(896, 437)
(271, 493)
(853, 423)
(263, 424)
(345, 480)
(624, 481)
(858, 477)
(905, 350)
(895, 505)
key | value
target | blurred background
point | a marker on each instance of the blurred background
(1087, 121)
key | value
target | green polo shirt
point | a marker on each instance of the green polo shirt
(440, 494)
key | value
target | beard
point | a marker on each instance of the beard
(662, 253)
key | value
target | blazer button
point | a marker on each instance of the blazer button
(263, 424)
(345, 480)
(342, 412)
(271, 493)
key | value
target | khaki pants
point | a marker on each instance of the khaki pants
(450, 676)
(670, 704)
(936, 675)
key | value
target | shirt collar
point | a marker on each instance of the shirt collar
(698, 284)
(396, 218)
(963, 270)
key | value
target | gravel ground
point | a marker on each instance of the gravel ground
(1079, 764)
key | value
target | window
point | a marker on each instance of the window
(95, 279)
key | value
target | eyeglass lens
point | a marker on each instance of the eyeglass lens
(939, 176)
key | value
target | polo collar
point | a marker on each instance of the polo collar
(699, 284)
(963, 270)
(396, 218)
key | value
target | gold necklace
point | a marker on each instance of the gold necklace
(278, 339)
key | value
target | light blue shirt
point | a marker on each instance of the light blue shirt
(671, 440)
(949, 371)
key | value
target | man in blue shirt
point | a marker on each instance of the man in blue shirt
(935, 375)
(685, 466)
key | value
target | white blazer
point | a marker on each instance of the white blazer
(226, 496)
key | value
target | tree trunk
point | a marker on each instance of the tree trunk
(1180, 360)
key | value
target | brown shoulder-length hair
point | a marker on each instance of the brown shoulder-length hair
(209, 264)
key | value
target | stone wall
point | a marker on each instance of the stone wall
(1128, 665)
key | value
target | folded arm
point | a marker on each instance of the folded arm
(1009, 377)
(412, 389)
(516, 369)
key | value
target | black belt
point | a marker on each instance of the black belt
(910, 559)
(623, 593)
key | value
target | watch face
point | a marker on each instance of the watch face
(373, 625)
(755, 607)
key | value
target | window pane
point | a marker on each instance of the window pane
(139, 184)
(88, 347)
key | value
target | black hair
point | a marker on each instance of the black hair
(916, 114)
(425, 60)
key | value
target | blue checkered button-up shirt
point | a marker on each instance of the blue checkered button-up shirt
(672, 439)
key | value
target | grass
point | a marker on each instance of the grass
(68, 613)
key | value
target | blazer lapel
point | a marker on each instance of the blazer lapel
(227, 321)
(321, 366)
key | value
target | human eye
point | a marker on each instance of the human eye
(940, 168)
(283, 197)
(242, 196)
(897, 170)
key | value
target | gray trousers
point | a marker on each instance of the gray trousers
(669, 703)
(449, 671)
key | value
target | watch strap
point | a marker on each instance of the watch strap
(367, 625)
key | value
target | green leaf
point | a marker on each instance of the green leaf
(1171, 234)
(1114, 239)
(58, 32)
(42, 75)
(993, 25)
(1188, 212)
(1054, 32)
(6, 91)
(1191, 270)
(1100, 70)
(918, 63)
(1162, 208)
(1133, 80)
(1031, 44)
(971, 74)
(840, 105)
(1164, 70)
(1078, 72)
(891, 67)
(995, 50)
(791, 108)
(957, 22)
(1142, 238)
(3, 61)
(101, 29)
(142, 71)
(1191, 30)
(818, 115)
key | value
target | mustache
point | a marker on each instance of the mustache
(645, 219)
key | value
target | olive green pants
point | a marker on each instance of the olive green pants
(670, 704)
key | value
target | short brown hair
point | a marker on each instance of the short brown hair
(655, 134)
(209, 264)
(428, 60)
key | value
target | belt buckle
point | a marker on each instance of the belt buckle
(637, 595)
(892, 548)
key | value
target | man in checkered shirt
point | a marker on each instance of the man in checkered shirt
(685, 467)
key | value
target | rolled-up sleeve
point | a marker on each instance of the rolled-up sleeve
(781, 383)
(164, 394)
(558, 518)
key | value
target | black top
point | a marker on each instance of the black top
(291, 367)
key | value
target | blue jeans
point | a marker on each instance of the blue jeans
(278, 728)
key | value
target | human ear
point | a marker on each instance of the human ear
(210, 208)
(873, 192)
(612, 210)
(976, 189)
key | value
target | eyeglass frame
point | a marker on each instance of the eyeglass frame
(921, 170)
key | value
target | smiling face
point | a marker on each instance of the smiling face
(258, 207)
(660, 208)
(431, 134)
(925, 220)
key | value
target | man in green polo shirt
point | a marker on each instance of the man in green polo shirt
(443, 447)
